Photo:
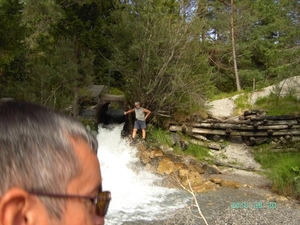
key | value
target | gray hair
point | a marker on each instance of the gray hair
(36, 152)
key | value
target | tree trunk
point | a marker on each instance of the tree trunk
(75, 105)
(237, 79)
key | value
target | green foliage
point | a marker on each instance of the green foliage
(242, 104)
(56, 67)
(282, 169)
(265, 157)
(67, 70)
(90, 125)
(156, 56)
(12, 31)
(266, 36)
(226, 95)
(274, 105)
(285, 176)
(171, 54)
(159, 136)
(12, 47)
(249, 78)
(199, 152)
(115, 91)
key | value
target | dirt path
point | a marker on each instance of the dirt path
(255, 186)
(250, 176)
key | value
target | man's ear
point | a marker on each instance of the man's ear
(14, 207)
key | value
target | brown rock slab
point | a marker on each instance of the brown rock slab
(156, 153)
(145, 157)
(165, 166)
(230, 184)
(216, 180)
(204, 187)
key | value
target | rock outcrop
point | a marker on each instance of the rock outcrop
(178, 171)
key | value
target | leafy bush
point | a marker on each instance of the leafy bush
(249, 78)
(286, 176)
(282, 169)
(115, 91)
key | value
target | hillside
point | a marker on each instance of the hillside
(225, 107)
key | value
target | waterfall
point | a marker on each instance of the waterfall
(135, 197)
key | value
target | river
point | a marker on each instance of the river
(136, 193)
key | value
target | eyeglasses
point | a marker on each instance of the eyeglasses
(99, 204)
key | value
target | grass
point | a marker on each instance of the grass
(283, 169)
(288, 105)
(226, 95)
(161, 137)
(199, 152)
(242, 104)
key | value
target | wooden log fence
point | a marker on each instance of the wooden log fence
(251, 129)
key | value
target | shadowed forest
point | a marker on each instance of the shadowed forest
(172, 55)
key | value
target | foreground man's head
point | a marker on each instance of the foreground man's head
(49, 169)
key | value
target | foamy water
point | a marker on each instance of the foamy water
(134, 195)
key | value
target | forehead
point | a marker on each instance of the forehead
(88, 180)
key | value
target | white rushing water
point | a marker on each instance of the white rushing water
(134, 195)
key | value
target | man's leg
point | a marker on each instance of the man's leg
(143, 127)
(134, 133)
(143, 134)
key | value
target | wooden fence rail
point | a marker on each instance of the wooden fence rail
(252, 128)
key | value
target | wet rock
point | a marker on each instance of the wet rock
(180, 166)
(175, 139)
(178, 170)
(214, 146)
(281, 199)
(142, 147)
(166, 166)
(211, 169)
(183, 174)
(216, 180)
(198, 168)
(230, 184)
(156, 153)
(145, 157)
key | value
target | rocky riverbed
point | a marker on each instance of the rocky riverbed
(252, 202)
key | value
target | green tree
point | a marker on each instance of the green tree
(263, 30)
(157, 50)
(60, 64)
(12, 48)
(58, 79)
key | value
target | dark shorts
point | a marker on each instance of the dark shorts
(138, 124)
